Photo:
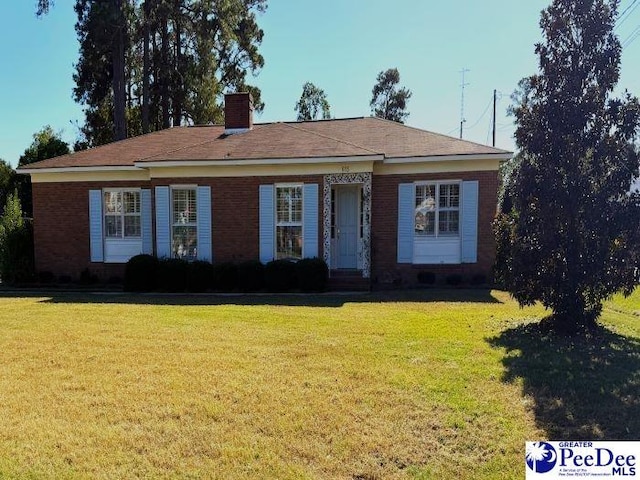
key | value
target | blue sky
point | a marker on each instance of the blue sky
(340, 45)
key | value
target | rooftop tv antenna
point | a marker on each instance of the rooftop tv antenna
(462, 85)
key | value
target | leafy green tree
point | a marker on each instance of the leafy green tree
(16, 243)
(571, 237)
(147, 65)
(313, 103)
(46, 144)
(388, 101)
(7, 181)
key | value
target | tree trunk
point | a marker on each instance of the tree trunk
(145, 68)
(165, 71)
(119, 87)
(177, 74)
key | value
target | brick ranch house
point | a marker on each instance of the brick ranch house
(376, 198)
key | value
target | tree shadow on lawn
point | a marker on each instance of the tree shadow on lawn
(582, 388)
(304, 300)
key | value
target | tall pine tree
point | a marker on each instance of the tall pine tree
(571, 238)
(147, 65)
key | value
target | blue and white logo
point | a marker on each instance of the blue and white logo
(541, 457)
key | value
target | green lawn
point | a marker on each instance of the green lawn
(431, 384)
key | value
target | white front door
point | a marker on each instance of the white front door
(347, 226)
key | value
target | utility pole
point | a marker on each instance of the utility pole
(462, 85)
(494, 117)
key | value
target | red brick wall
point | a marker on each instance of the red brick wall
(235, 206)
(61, 220)
(61, 228)
(61, 223)
(238, 110)
(384, 228)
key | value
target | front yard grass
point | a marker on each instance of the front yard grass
(432, 384)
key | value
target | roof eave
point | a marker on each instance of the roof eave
(447, 158)
(96, 168)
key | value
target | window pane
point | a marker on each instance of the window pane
(289, 242)
(450, 196)
(289, 205)
(296, 204)
(425, 209)
(112, 226)
(425, 223)
(282, 204)
(132, 226)
(131, 201)
(185, 242)
(448, 224)
(184, 206)
(112, 202)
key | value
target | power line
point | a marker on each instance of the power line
(631, 37)
(627, 9)
(626, 13)
(481, 116)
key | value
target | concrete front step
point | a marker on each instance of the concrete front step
(348, 281)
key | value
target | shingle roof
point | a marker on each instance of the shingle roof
(290, 140)
(273, 140)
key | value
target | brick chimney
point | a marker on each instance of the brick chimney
(238, 113)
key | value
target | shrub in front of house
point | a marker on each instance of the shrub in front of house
(140, 273)
(46, 276)
(250, 276)
(172, 275)
(426, 278)
(478, 279)
(312, 275)
(280, 276)
(199, 276)
(225, 277)
(88, 278)
(16, 244)
(454, 279)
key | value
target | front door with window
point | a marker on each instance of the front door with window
(347, 226)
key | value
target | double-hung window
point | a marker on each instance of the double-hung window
(437, 209)
(184, 227)
(121, 213)
(288, 221)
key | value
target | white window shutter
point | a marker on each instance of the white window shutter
(145, 221)
(406, 220)
(163, 225)
(96, 244)
(469, 221)
(267, 223)
(203, 206)
(310, 219)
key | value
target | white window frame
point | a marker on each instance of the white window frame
(436, 228)
(122, 214)
(173, 224)
(277, 224)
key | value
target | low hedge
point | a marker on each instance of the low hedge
(140, 273)
(199, 276)
(312, 275)
(225, 277)
(250, 276)
(172, 275)
(280, 276)
(145, 273)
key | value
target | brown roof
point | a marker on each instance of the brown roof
(291, 140)
(272, 140)
(396, 140)
(126, 152)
